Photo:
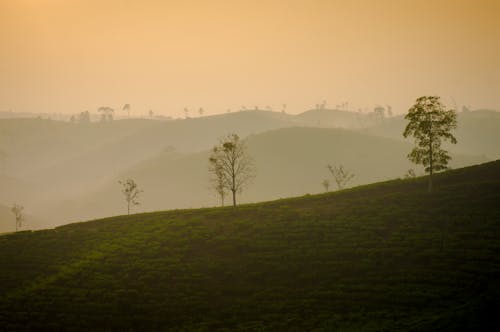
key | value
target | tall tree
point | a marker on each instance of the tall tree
(234, 163)
(131, 192)
(17, 210)
(430, 123)
(218, 181)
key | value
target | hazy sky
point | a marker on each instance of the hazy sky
(72, 55)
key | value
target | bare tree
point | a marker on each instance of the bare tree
(17, 210)
(236, 166)
(326, 185)
(217, 181)
(131, 192)
(341, 175)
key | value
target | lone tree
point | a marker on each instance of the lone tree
(17, 210)
(236, 167)
(217, 181)
(341, 175)
(326, 185)
(430, 124)
(131, 192)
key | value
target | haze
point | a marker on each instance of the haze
(70, 56)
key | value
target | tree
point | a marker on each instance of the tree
(84, 117)
(430, 123)
(231, 159)
(17, 210)
(106, 113)
(341, 175)
(326, 184)
(126, 108)
(410, 174)
(131, 192)
(218, 182)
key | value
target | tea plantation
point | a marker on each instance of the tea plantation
(382, 257)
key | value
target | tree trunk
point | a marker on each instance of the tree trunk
(430, 181)
(234, 198)
(128, 208)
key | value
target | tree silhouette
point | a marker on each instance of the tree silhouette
(131, 192)
(126, 108)
(231, 158)
(17, 210)
(326, 184)
(341, 175)
(430, 123)
(217, 181)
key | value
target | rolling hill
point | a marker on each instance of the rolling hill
(176, 180)
(387, 256)
(478, 132)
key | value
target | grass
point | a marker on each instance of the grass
(387, 256)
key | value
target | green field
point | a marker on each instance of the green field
(387, 256)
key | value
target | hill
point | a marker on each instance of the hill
(176, 180)
(387, 256)
(334, 118)
(478, 132)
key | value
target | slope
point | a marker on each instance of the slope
(386, 256)
(289, 162)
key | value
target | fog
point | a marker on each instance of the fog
(64, 171)
(94, 92)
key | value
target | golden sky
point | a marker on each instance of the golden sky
(71, 55)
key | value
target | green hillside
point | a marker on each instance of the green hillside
(387, 256)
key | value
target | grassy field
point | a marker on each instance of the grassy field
(387, 256)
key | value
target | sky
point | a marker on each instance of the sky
(66, 56)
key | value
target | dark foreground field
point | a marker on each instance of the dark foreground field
(387, 256)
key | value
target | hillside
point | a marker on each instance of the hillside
(387, 256)
(478, 132)
(176, 180)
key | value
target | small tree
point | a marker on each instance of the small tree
(430, 123)
(236, 167)
(217, 181)
(126, 108)
(131, 192)
(410, 174)
(341, 175)
(17, 210)
(326, 184)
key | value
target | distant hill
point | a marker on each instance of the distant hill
(289, 162)
(334, 118)
(382, 257)
(66, 171)
(478, 132)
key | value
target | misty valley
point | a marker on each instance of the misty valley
(252, 221)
